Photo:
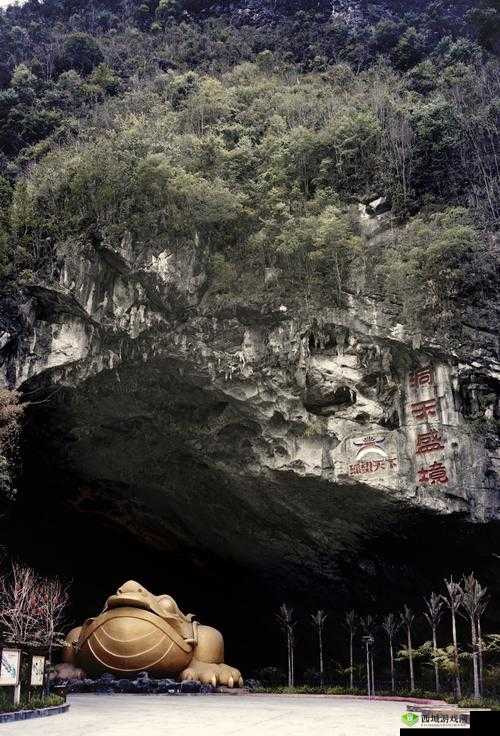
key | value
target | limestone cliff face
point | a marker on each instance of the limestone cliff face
(272, 432)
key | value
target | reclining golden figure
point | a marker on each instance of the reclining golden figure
(138, 631)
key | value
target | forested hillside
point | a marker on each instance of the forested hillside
(257, 128)
(244, 245)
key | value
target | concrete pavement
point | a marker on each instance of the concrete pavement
(216, 715)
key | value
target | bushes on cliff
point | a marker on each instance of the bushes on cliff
(80, 52)
(136, 40)
(114, 187)
(436, 264)
(10, 416)
(265, 173)
(6, 193)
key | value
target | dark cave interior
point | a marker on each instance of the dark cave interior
(98, 552)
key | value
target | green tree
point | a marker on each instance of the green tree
(441, 261)
(351, 622)
(335, 248)
(391, 626)
(168, 9)
(453, 600)
(409, 49)
(434, 605)
(6, 194)
(473, 597)
(318, 620)
(287, 624)
(81, 52)
(407, 618)
(106, 79)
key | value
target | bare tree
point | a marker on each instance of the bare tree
(318, 620)
(473, 594)
(407, 617)
(18, 604)
(52, 600)
(32, 607)
(285, 619)
(398, 144)
(433, 615)
(351, 621)
(390, 626)
(453, 600)
(477, 139)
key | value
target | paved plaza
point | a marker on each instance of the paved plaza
(216, 715)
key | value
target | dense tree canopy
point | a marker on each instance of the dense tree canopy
(257, 127)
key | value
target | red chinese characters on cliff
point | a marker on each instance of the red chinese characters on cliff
(431, 440)
(372, 466)
(421, 378)
(422, 410)
(435, 474)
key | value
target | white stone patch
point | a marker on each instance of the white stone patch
(398, 332)
(137, 321)
(123, 297)
(444, 392)
(163, 265)
(4, 339)
(69, 344)
(251, 349)
(90, 300)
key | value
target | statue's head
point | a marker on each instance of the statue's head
(134, 595)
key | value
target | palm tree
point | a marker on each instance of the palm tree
(351, 621)
(453, 600)
(285, 620)
(318, 620)
(390, 626)
(433, 615)
(481, 609)
(473, 594)
(407, 617)
(369, 625)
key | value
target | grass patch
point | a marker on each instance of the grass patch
(490, 703)
(338, 690)
(33, 704)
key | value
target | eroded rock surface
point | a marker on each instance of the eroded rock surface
(274, 436)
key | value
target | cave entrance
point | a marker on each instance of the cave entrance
(117, 485)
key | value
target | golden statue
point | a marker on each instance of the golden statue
(138, 631)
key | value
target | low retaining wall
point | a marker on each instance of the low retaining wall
(26, 715)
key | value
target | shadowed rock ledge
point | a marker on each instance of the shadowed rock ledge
(275, 436)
